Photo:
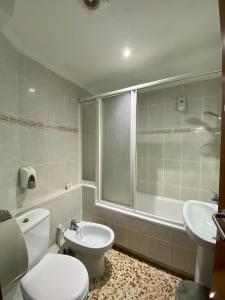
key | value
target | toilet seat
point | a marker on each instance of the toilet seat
(56, 277)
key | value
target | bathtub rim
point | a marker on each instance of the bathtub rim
(132, 212)
(139, 215)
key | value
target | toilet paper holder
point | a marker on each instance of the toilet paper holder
(27, 177)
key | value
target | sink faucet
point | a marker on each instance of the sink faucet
(74, 226)
(215, 197)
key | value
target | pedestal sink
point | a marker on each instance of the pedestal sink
(201, 228)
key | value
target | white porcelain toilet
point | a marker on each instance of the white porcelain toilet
(50, 276)
(89, 243)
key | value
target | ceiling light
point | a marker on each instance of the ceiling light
(32, 90)
(126, 52)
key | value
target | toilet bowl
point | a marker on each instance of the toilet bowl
(58, 277)
(49, 276)
(89, 243)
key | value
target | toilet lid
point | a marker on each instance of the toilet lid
(56, 277)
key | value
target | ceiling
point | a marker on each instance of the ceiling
(166, 38)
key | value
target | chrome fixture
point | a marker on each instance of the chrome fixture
(92, 4)
(154, 84)
(218, 219)
(74, 226)
(215, 197)
(212, 114)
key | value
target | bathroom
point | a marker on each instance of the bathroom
(118, 128)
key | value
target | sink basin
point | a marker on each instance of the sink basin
(200, 227)
(198, 222)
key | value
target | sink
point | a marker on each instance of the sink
(200, 227)
(198, 222)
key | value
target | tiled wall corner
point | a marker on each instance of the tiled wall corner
(178, 153)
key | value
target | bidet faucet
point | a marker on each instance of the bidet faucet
(74, 226)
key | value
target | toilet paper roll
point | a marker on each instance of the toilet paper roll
(13, 253)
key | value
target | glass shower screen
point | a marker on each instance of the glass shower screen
(116, 149)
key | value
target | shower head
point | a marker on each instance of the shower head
(212, 114)
(92, 4)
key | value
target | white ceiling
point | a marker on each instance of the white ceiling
(166, 37)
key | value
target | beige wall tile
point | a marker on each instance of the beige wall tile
(172, 147)
(192, 116)
(182, 259)
(156, 116)
(210, 176)
(181, 239)
(190, 174)
(155, 170)
(191, 147)
(172, 172)
(189, 194)
(172, 191)
(158, 250)
(155, 188)
(136, 241)
(155, 147)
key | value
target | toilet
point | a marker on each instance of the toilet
(49, 276)
(89, 244)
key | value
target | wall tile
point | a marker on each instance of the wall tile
(142, 119)
(210, 147)
(192, 116)
(56, 177)
(142, 166)
(181, 239)
(155, 170)
(171, 191)
(194, 90)
(37, 146)
(155, 188)
(190, 174)
(172, 117)
(33, 105)
(136, 241)
(210, 176)
(169, 150)
(172, 172)
(172, 147)
(155, 147)
(155, 116)
(54, 102)
(212, 87)
(182, 259)
(8, 93)
(191, 147)
(158, 250)
(141, 186)
(212, 104)
(189, 194)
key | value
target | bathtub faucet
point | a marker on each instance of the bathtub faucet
(215, 197)
(74, 226)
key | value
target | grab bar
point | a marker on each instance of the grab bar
(219, 220)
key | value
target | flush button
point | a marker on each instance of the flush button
(26, 220)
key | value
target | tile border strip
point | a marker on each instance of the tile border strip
(4, 118)
(181, 130)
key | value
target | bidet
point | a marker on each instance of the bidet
(89, 244)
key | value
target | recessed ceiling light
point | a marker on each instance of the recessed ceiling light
(126, 52)
(32, 90)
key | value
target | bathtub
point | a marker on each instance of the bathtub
(153, 229)
(161, 208)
